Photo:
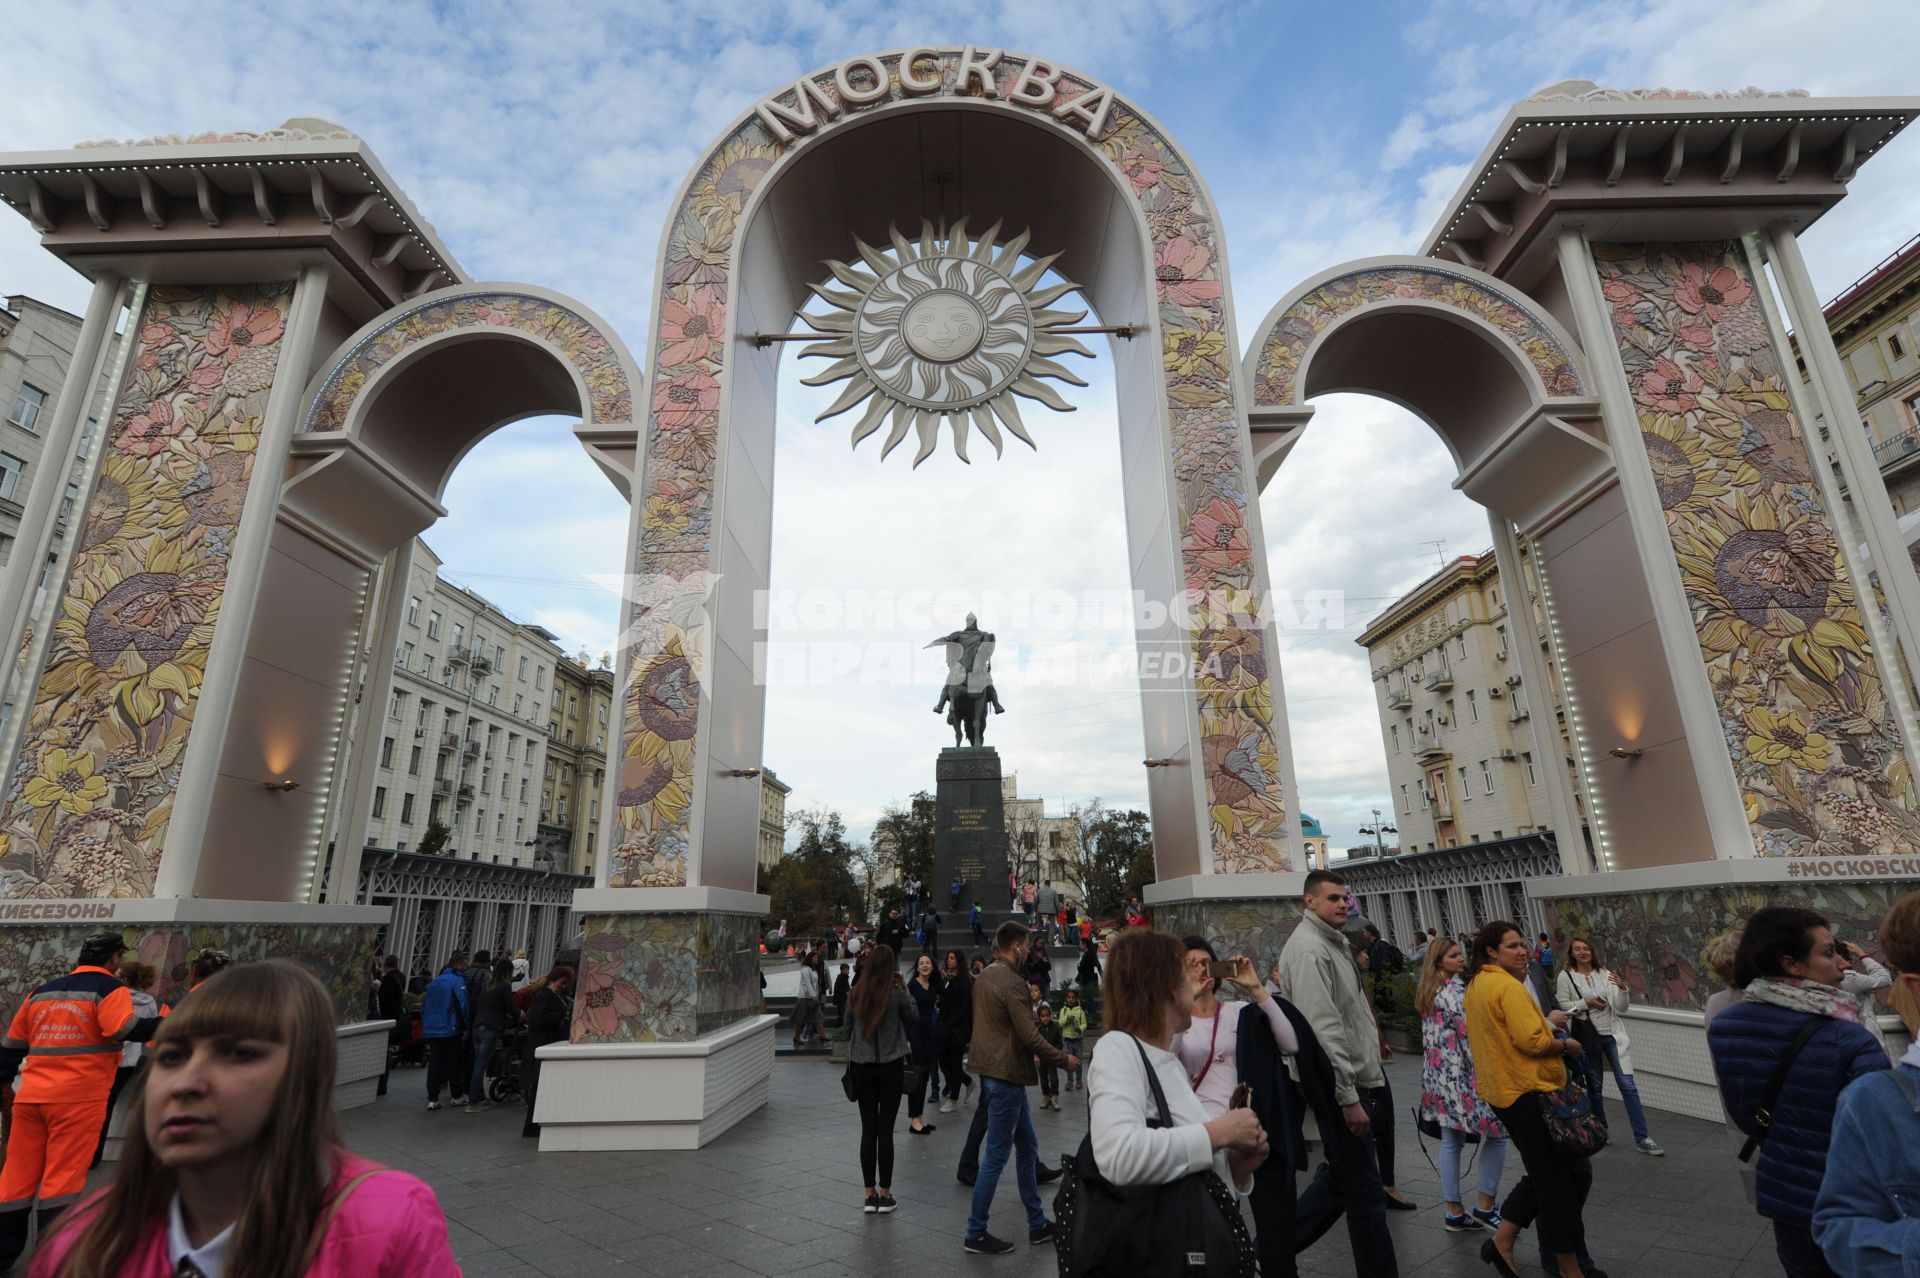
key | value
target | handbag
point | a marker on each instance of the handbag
(1192, 1226)
(1571, 1126)
(912, 1078)
(846, 1083)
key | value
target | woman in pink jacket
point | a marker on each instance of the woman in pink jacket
(232, 1167)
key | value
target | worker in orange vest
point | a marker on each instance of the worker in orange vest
(68, 1034)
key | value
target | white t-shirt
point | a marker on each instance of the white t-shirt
(1125, 1149)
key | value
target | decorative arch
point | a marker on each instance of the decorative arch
(1284, 342)
(596, 357)
(1236, 779)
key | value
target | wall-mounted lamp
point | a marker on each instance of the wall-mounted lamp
(282, 787)
(1622, 752)
(1159, 763)
(741, 772)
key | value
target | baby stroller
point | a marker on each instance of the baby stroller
(503, 1071)
(406, 1045)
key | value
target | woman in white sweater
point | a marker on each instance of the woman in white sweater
(1148, 999)
(1590, 991)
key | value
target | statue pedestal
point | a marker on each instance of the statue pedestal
(969, 841)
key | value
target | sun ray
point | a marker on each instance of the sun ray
(870, 420)
(983, 422)
(928, 425)
(847, 367)
(1004, 409)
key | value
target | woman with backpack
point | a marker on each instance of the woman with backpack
(1789, 1048)
(883, 1017)
(232, 1162)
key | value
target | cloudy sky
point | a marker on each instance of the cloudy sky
(545, 142)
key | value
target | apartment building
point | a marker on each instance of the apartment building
(36, 347)
(773, 818)
(579, 723)
(1455, 713)
(1040, 845)
(465, 740)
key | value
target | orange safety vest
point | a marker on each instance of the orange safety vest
(71, 1030)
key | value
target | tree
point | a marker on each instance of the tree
(434, 839)
(1114, 857)
(903, 840)
(813, 886)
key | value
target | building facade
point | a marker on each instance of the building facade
(773, 818)
(470, 729)
(1041, 846)
(1454, 711)
(1875, 324)
(579, 707)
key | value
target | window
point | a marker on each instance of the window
(540, 678)
(1501, 633)
(10, 469)
(1424, 797)
(66, 502)
(1452, 718)
(493, 695)
(27, 403)
(386, 752)
(550, 769)
(1486, 774)
(406, 809)
(523, 668)
(433, 625)
(426, 707)
(406, 656)
(1893, 345)
(560, 810)
(1527, 759)
(1473, 705)
(401, 846)
(413, 610)
(379, 802)
(519, 829)
(393, 705)
(459, 633)
(523, 789)
(603, 714)
(413, 762)
(1394, 728)
(86, 436)
(1463, 643)
(573, 706)
(1466, 791)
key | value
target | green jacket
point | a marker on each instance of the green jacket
(1073, 1022)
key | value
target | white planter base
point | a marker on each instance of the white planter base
(599, 1096)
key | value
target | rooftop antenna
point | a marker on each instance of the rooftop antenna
(1439, 550)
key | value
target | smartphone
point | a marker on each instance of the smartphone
(1242, 1097)
(1221, 970)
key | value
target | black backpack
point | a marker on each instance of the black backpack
(1190, 1228)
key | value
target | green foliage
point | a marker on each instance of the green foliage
(813, 886)
(1115, 856)
(434, 840)
(904, 839)
(1393, 1001)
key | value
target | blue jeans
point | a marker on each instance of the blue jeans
(1493, 1161)
(484, 1041)
(1629, 1090)
(1009, 1131)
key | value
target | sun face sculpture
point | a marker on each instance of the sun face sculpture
(946, 328)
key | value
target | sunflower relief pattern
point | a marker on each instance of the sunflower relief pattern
(1207, 444)
(1277, 367)
(1819, 756)
(584, 346)
(90, 797)
(665, 977)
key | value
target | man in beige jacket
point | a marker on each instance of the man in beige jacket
(1005, 1043)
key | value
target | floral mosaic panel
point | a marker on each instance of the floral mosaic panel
(665, 977)
(341, 955)
(1277, 366)
(1817, 751)
(1207, 447)
(1654, 939)
(91, 794)
(583, 344)
(1256, 928)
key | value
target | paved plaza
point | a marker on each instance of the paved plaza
(780, 1194)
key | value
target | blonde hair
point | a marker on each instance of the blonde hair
(1717, 956)
(292, 1157)
(1431, 977)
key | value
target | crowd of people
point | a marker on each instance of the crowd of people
(1202, 1071)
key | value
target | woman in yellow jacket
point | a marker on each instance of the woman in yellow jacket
(1518, 1055)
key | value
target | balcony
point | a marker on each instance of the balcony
(1428, 749)
(1441, 678)
(1519, 715)
(1888, 451)
(449, 741)
(443, 785)
(469, 747)
(465, 791)
(476, 657)
(1441, 805)
(1398, 698)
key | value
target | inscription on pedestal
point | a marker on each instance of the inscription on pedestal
(970, 835)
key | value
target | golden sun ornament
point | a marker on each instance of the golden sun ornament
(945, 328)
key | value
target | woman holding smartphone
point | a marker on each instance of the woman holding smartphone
(1233, 1060)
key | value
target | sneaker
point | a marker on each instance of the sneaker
(1488, 1216)
(1650, 1146)
(884, 1204)
(432, 1105)
(988, 1245)
(946, 1106)
(872, 1205)
(478, 1109)
(1044, 1234)
(1463, 1223)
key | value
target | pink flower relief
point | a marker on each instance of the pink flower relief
(688, 329)
(682, 401)
(605, 1001)
(1669, 389)
(241, 328)
(1701, 293)
(1622, 295)
(1179, 268)
(148, 431)
(1217, 541)
(1142, 169)
(1696, 337)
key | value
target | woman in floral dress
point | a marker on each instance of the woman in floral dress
(1448, 1097)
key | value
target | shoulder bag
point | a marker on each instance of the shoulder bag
(1763, 1117)
(1571, 1126)
(1191, 1228)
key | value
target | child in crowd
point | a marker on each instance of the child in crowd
(1049, 1076)
(1073, 1028)
(1036, 998)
